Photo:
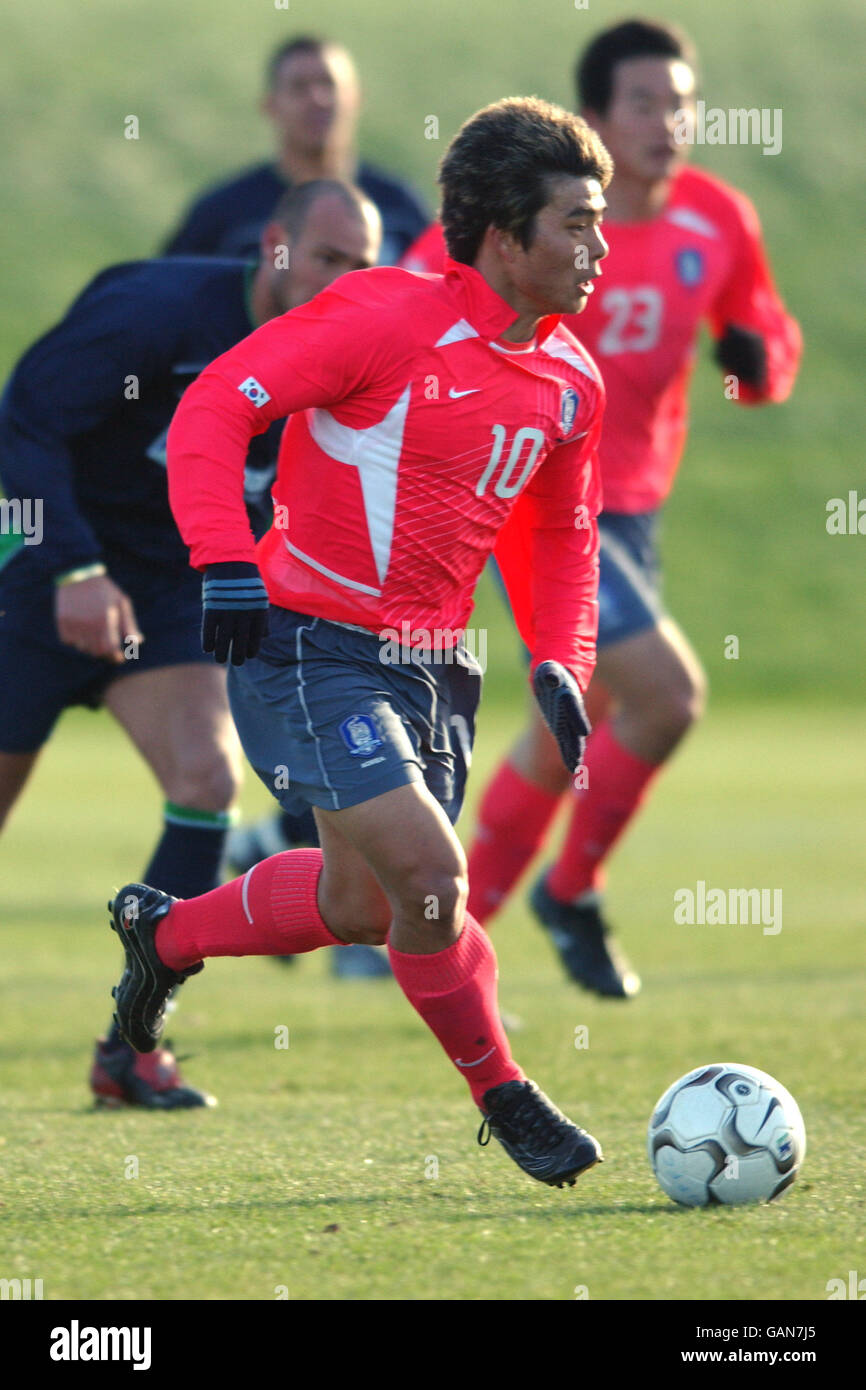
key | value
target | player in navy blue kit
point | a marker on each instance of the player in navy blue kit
(105, 609)
(312, 99)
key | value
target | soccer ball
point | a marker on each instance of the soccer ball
(725, 1133)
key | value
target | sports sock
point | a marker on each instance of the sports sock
(186, 861)
(512, 819)
(454, 991)
(271, 911)
(616, 783)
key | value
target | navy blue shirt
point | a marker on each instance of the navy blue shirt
(228, 219)
(85, 416)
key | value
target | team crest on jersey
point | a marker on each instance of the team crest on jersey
(254, 391)
(690, 267)
(359, 735)
(568, 411)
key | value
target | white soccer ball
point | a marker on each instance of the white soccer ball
(726, 1133)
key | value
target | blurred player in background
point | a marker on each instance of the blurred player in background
(312, 99)
(685, 249)
(106, 611)
(429, 420)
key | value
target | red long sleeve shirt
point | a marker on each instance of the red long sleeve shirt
(415, 434)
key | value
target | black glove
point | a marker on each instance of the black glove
(742, 353)
(235, 616)
(558, 695)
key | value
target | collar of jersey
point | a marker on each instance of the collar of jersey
(486, 310)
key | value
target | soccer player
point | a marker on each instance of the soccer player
(106, 611)
(430, 419)
(686, 249)
(312, 100)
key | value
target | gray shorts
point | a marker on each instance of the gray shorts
(325, 721)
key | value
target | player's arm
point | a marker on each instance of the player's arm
(313, 356)
(67, 384)
(757, 341)
(548, 555)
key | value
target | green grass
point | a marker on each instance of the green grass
(338, 1130)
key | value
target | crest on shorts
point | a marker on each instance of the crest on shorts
(359, 735)
(690, 267)
(568, 410)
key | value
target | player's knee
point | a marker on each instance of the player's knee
(436, 894)
(205, 781)
(682, 702)
(539, 758)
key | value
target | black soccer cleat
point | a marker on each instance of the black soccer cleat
(584, 944)
(541, 1140)
(146, 982)
(121, 1076)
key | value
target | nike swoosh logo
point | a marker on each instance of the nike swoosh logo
(458, 1063)
(455, 395)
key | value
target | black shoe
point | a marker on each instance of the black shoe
(146, 982)
(541, 1140)
(120, 1076)
(585, 945)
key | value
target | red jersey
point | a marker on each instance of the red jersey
(701, 259)
(414, 435)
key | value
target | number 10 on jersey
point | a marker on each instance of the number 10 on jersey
(504, 487)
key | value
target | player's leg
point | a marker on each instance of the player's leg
(15, 768)
(517, 808)
(657, 683)
(659, 689)
(178, 719)
(444, 962)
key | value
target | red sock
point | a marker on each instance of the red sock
(454, 991)
(616, 782)
(512, 819)
(271, 911)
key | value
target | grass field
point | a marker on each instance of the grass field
(313, 1176)
(338, 1131)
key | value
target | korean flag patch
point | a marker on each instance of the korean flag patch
(690, 267)
(254, 391)
(568, 411)
(360, 735)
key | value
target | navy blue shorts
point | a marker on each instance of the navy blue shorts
(325, 720)
(40, 676)
(629, 581)
(629, 577)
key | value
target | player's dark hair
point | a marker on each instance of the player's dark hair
(294, 206)
(497, 169)
(634, 38)
(304, 43)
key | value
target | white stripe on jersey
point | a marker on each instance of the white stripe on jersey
(330, 574)
(557, 347)
(457, 333)
(375, 452)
